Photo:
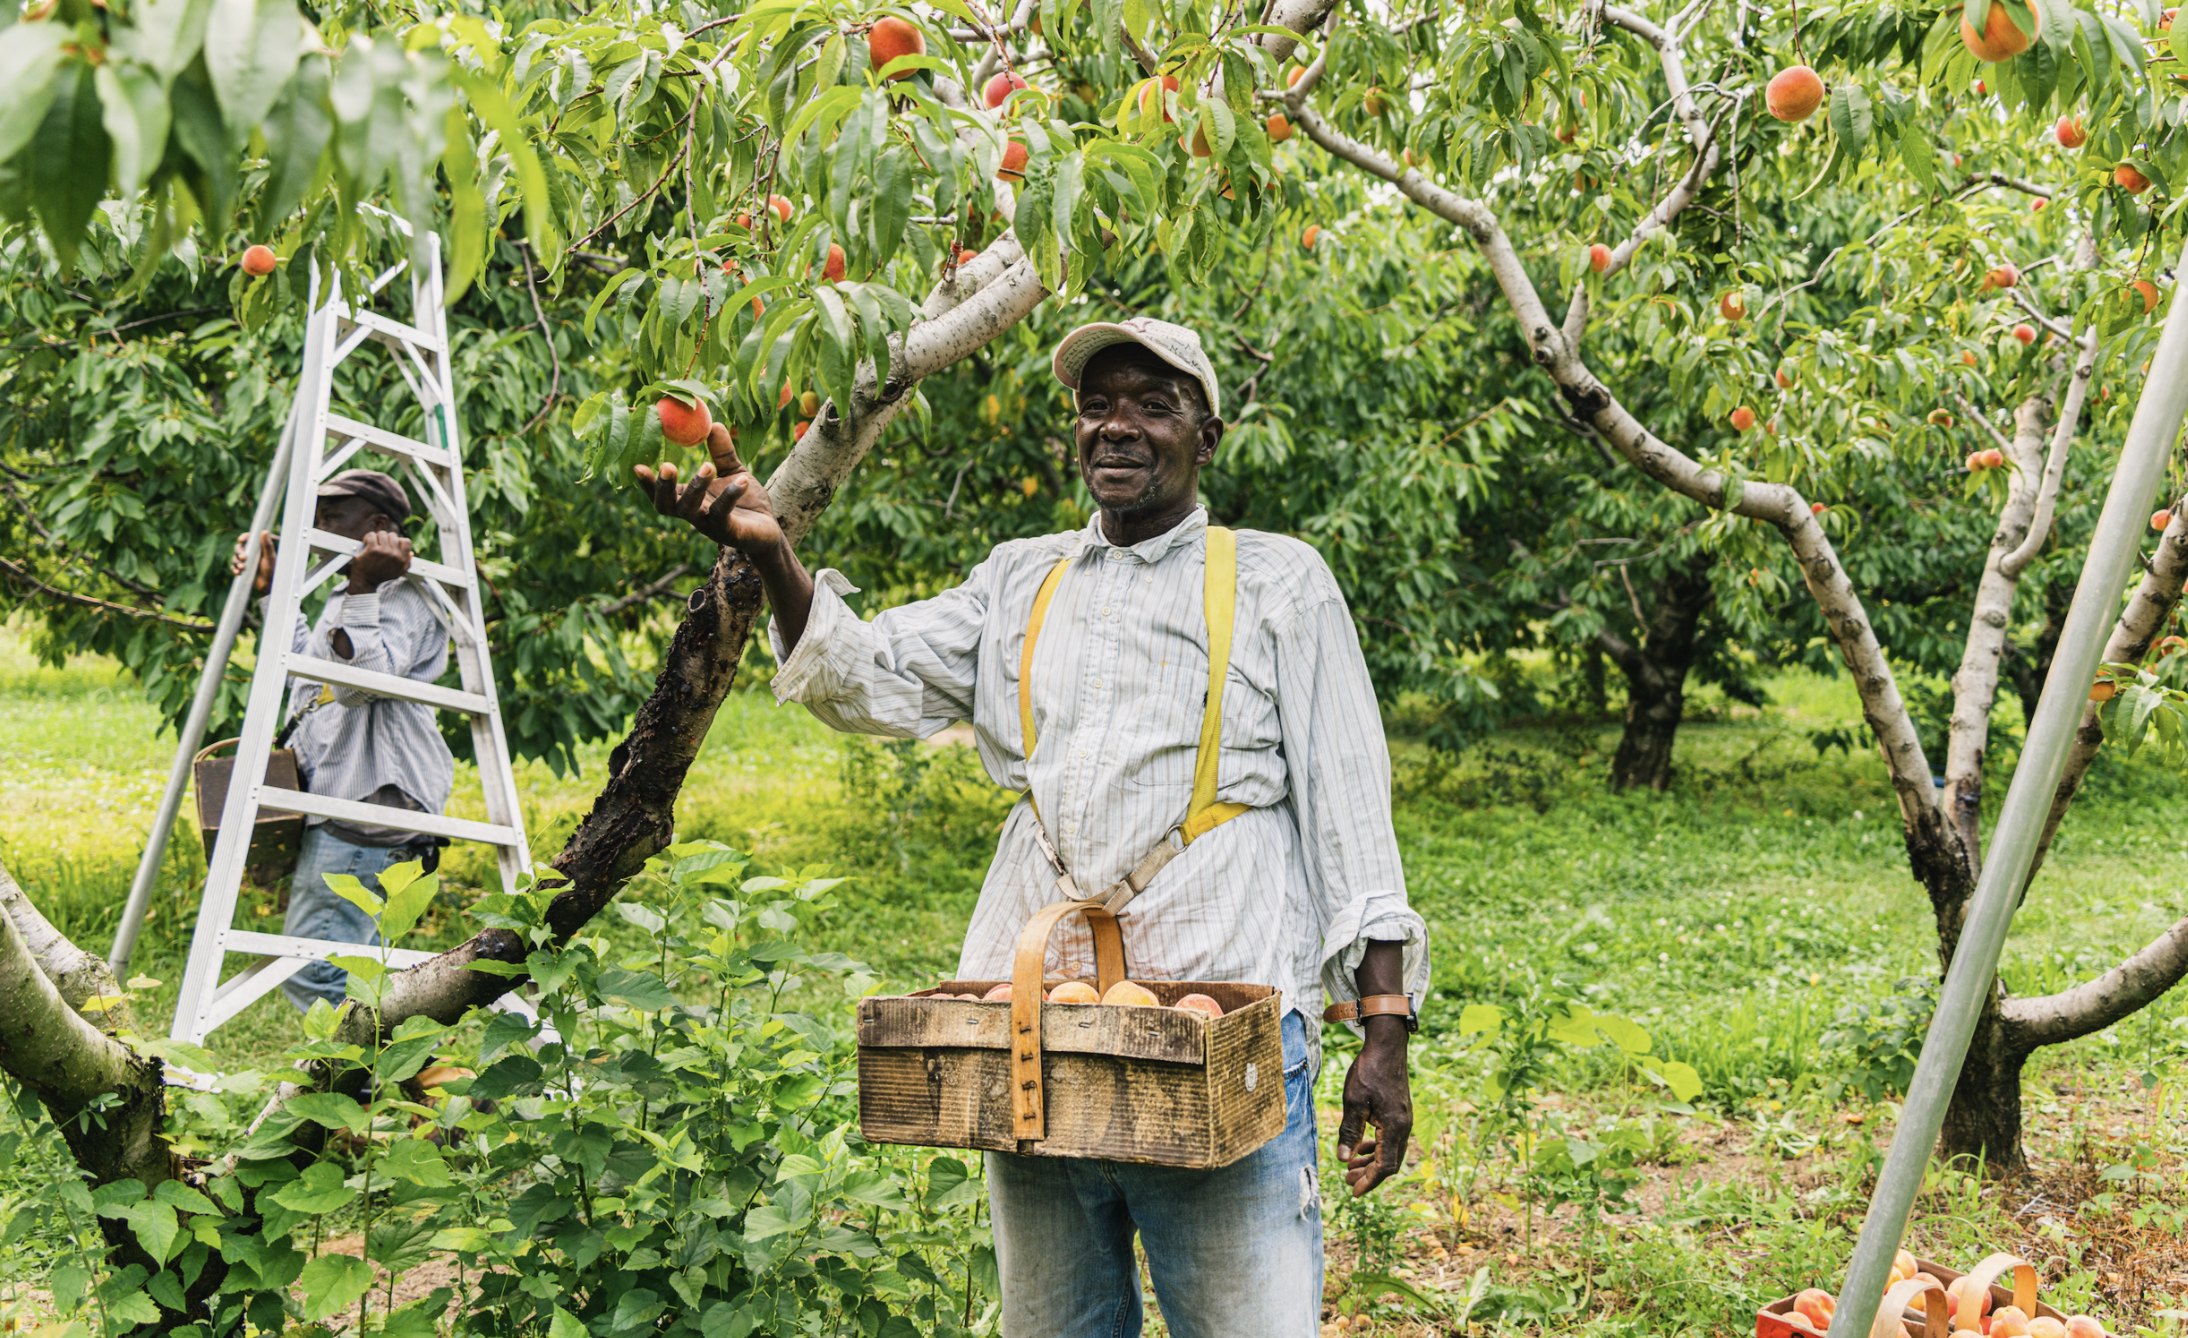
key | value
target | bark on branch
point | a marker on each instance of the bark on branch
(1975, 683)
(108, 1100)
(1776, 504)
(2094, 1005)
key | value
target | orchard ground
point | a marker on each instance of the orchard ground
(1736, 918)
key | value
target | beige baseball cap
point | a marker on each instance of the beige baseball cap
(1173, 344)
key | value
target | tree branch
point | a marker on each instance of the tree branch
(2062, 441)
(2094, 1005)
(71, 1066)
(91, 602)
(1975, 683)
(79, 976)
(643, 594)
(2138, 625)
(1779, 505)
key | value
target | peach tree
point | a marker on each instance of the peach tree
(1999, 191)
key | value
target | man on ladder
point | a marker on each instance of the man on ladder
(354, 744)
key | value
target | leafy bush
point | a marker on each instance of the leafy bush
(1875, 1045)
(671, 1149)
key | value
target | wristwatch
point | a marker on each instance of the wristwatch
(1374, 1005)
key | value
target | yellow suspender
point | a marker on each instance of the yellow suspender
(1220, 600)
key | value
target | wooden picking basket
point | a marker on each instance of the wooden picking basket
(278, 833)
(1933, 1317)
(1164, 1086)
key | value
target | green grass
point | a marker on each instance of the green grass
(1734, 917)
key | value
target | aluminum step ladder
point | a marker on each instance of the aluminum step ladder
(318, 443)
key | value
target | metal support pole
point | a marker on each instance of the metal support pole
(201, 707)
(2112, 553)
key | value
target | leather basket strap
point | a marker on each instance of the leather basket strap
(1028, 1109)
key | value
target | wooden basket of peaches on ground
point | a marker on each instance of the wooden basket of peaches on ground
(1169, 1072)
(1952, 1305)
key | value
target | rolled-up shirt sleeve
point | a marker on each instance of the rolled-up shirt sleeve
(907, 674)
(1339, 768)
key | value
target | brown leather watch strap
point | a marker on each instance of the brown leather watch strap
(1374, 1005)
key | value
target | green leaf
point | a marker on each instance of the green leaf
(135, 116)
(567, 1325)
(642, 990)
(1684, 1082)
(767, 1221)
(68, 158)
(1629, 1035)
(30, 57)
(153, 1223)
(409, 892)
(1480, 1018)
(949, 1183)
(164, 35)
(251, 48)
(296, 131)
(487, 101)
(332, 1283)
(318, 1190)
(1853, 118)
(348, 888)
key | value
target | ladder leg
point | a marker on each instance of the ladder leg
(231, 850)
(201, 709)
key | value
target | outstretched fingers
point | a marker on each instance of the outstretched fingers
(722, 447)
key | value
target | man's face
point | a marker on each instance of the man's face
(350, 517)
(1141, 438)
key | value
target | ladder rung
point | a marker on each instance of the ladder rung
(386, 685)
(384, 441)
(335, 543)
(385, 329)
(318, 949)
(383, 815)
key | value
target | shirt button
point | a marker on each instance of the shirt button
(1097, 682)
(1108, 612)
(1071, 829)
(1082, 752)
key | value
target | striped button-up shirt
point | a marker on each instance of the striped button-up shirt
(1287, 894)
(360, 744)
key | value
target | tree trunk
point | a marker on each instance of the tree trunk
(1656, 676)
(1983, 1122)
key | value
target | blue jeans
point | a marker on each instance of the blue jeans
(316, 912)
(1235, 1251)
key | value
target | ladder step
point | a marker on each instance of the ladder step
(385, 329)
(381, 815)
(386, 685)
(388, 443)
(319, 949)
(446, 575)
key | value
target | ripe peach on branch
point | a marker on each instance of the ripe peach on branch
(684, 424)
(892, 39)
(2001, 37)
(1793, 93)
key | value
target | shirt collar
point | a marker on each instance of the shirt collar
(1151, 550)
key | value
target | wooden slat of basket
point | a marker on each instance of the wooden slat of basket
(1098, 1105)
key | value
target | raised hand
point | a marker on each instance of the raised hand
(723, 501)
(262, 580)
(383, 556)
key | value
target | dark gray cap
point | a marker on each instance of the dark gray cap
(370, 485)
